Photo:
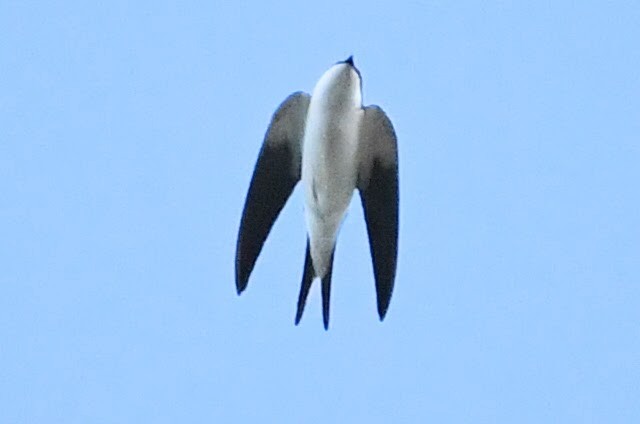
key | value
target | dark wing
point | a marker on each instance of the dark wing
(378, 185)
(276, 173)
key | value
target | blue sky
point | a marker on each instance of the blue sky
(128, 135)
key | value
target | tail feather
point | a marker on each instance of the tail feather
(326, 292)
(307, 278)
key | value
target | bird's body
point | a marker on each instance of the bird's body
(330, 158)
(334, 145)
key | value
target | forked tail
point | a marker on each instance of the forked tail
(307, 278)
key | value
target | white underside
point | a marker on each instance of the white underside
(329, 170)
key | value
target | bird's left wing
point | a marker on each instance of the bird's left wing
(276, 173)
(378, 186)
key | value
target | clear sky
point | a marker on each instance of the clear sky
(128, 135)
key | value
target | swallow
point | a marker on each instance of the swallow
(334, 145)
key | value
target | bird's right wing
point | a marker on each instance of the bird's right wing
(276, 173)
(378, 186)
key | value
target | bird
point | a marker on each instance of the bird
(333, 145)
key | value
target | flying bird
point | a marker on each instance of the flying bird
(334, 145)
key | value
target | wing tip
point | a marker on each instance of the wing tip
(240, 287)
(382, 310)
(242, 279)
